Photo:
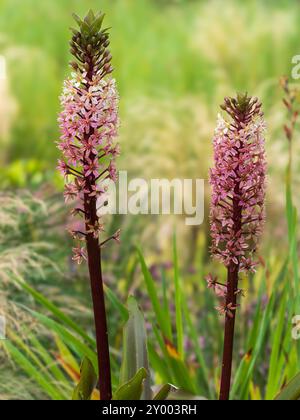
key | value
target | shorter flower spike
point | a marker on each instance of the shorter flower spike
(237, 208)
(238, 183)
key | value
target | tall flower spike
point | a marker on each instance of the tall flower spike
(89, 124)
(237, 208)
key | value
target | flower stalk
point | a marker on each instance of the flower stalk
(237, 210)
(89, 122)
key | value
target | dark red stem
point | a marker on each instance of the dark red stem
(231, 299)
(229, 333)
(96, 279)
(95, 270)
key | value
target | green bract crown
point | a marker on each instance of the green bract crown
(89, 45)
(242, 108)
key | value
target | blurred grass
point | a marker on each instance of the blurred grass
(174, 61)
(191, 51)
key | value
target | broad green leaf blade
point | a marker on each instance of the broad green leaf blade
(133, 389)
(87, 383)
(135, 352)
(158, 364)
(291, 392)
(163, 393)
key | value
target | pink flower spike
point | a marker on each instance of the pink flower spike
(238, 189)
(237, 208)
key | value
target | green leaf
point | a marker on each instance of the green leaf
(98, 23)
(151, 288)
(256, 339)
(159, 364)
(77, 19)
(276, 344)
(133, 389)
(179, 372)
(180, 395)
(193, 333)
(56, 312)
(135, 352)
(90, 17)
(163, 393)
(78, 346)
(291, 392)
(47, 359)
(87, 383)
(33, 372)
(116, 303)
(178, 304)
(166, 306)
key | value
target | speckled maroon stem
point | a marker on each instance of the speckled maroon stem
(97, 290)
(232, 285)
(231, 299)
(95, 270)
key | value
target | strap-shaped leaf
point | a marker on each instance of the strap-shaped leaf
(291, 392)
(132, 390)
(135, 352)
(87, 383)
(163, 393)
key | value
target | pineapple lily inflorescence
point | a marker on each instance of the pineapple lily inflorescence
(237, 210)
(89, 123)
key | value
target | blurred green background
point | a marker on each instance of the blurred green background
(174, 60)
